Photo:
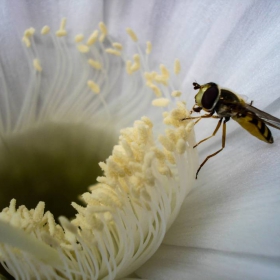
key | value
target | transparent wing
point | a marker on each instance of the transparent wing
(242, 107)
(242, 96)
(265, 117)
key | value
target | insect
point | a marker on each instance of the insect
(226, 104)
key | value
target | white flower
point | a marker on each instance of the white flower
(228, 226)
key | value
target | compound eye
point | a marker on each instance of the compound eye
(209, 97)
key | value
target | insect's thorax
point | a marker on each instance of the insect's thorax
(226, 104)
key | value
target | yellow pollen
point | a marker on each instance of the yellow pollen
(61, 33)
(29, 32)
(103, 166)
(161, 79)
(169, 156)
(181, 146)
(181, 133)
(26, 41)
(169, 146)
(136, 58)
(160, 102)
(45, 30)
(159, 154)
(62, 24)
(103, 28)
(164, 71)
(83, 48)
(170, 134)
(102, 38)
(117, 46)
(37, 65)
(176, 93)
(113, 51)
(136, 65)
(149, 47)
(132, 34)
(155, 89)
(79, 38)
(93, 86)
(92, 38)
(147, 121)
(128, 67)
(95, 64)
(177, 66)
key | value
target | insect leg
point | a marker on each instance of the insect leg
(223, 145)
(199, 117)
(214, 117)
(214, 133)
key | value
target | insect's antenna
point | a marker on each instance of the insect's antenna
(196, 85)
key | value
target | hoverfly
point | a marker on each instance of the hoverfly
(226, 104)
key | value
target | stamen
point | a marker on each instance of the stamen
(125, 215)
(62, 32)
(93, 38)
(95, 64)
(117, 46)
(128, 67)
(83, 48)
(79, 38)
(176, 93)
(93, 86)
(29, 32)
(37, 65)
(164, 71)
(136, 65)
(26, 41)
(62, 24)
(155, 89)
(45, 30)
(113, 51)
(149, 47)
(103, 30)
(132, 34)
(160, 102)
(177, 66)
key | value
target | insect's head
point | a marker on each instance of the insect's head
(208, 96)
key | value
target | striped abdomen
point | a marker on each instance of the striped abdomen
(255, 126)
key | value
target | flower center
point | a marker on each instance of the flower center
(49, 159)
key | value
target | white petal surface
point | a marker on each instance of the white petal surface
(171, 262)
(235, 206)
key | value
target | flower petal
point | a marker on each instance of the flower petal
(235, 205)
(171, 262)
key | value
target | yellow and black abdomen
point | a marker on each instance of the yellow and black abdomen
(255, 126)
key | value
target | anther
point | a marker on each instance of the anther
(177, 66)
(95, 64)
(79, 38)
(160, 102)
(83, 48)
(132, 34)
(37, 65)
(93, 86)
(176, 93)
(92, 38)
(113, 51)
(117, 46)
(149, 48)
(45, 30)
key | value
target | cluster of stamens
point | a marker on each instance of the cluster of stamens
(124, 217)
